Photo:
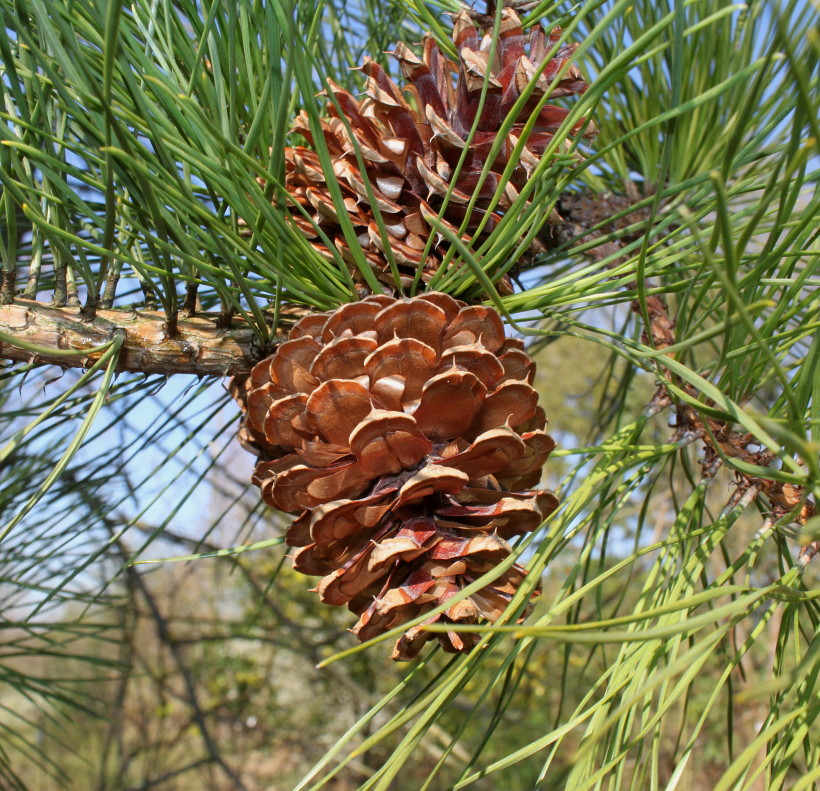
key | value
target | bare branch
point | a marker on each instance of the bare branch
(198, 346)
(165, 636)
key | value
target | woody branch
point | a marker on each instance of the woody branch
(197, 345)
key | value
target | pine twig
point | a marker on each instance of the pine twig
(722, 441)
(201, 345)
(582, 212)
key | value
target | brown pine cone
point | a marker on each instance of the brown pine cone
(410, 142)
(406, 435)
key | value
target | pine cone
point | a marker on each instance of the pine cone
(410, 148)
(406, 435)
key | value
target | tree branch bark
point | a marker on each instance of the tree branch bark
(199, 346)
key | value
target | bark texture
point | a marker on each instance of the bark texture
(198, 346)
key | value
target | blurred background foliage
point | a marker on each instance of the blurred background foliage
(676, 642)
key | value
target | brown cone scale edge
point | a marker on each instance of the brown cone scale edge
(406, 436)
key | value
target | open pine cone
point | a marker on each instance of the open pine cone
(406, 435)
(410, 146)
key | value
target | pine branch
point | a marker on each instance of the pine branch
(720, 439)
(32, 331)
(588, 216)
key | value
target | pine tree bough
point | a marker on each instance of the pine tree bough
(406, 435)
(198, 346)
(581, 212)
(720, 440)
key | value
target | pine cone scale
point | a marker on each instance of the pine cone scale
(399, 432)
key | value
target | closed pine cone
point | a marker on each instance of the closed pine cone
(410, 143)
(406, 435)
